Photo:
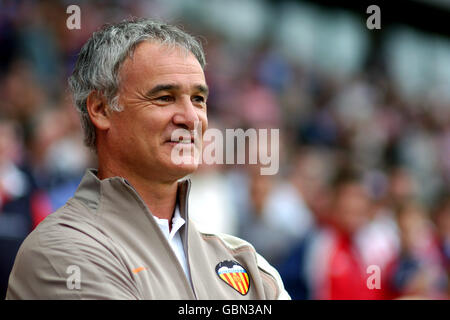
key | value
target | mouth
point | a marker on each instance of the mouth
(181, 141)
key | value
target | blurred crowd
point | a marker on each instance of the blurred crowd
(364, 174)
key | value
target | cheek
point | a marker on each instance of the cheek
(131, 132)
(204, 121)
(118, 132)
(150, 124)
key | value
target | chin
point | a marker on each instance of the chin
(181, 170)
(179, 164)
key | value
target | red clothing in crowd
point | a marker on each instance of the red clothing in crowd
(343, 272)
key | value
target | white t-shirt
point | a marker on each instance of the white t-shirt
(174, 237)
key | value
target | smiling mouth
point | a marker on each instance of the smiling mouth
(182, 141)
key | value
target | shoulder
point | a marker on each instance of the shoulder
(65, 241)
(68, 229)
(235, 245)
(230, 242)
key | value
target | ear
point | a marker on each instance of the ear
(98, 110)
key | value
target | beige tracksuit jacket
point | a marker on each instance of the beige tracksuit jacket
(105, 244)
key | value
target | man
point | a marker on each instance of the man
(333, 267)
(126, 233)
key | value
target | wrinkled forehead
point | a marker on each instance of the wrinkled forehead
(153, 60)
(151, 52)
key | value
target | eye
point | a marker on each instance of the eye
(165, 98)
(199, 99)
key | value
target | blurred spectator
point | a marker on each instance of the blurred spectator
(378, 240)
(332, 265)
(329, 261)
(337, 269)
(418, 271)
(291, 201)
(442, 223)
(211, 201)
(254, 226)
(16, 187)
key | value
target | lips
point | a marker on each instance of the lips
(182, 140)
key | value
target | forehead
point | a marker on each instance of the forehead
(152, 63)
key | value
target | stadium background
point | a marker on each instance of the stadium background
(364, 119)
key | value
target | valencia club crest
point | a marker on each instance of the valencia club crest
(233, 274)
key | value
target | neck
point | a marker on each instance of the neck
(160, 197)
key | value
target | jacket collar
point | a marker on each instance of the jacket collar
(92, 191)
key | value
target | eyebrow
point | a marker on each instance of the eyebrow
(202, 89)
(171, 87)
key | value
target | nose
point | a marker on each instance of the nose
(186, 116)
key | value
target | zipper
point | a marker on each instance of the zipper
(189, 281)
(186, 237)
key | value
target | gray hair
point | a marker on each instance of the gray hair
(99, 61)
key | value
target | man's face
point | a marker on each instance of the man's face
(161, 89)
(352, 206)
